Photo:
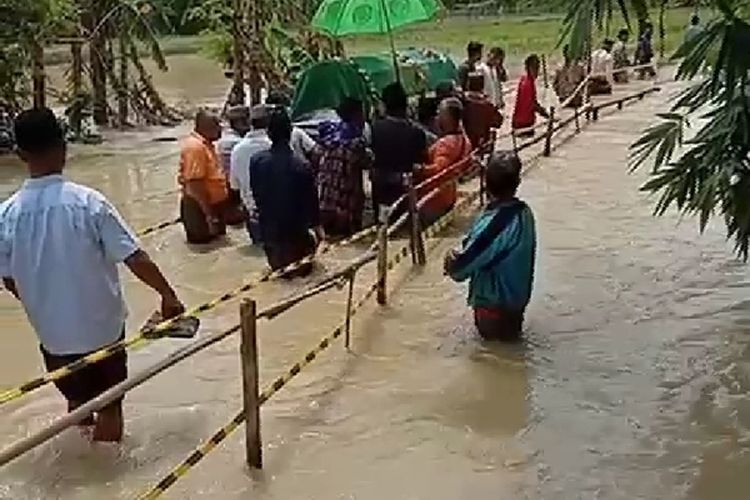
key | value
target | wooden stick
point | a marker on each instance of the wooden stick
(249, 359)
(550, 131)
(382, 256)
(348, 335)
(417, 242)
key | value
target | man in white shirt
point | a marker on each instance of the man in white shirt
(255, 141)
(602, 69)
(494, 74)
(60, 244)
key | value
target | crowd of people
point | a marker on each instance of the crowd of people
(292, 192)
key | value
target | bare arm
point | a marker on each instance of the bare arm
(10, 285)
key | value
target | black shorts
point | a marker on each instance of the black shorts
(90, 381)
(494, 323)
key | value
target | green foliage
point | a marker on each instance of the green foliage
(706, 170)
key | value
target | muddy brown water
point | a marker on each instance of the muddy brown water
(632, 383)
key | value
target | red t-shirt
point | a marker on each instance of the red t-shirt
(524, 114)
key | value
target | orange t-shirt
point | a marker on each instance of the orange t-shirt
(447, 152)
(199, 162)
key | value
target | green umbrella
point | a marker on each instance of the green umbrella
(359, 17)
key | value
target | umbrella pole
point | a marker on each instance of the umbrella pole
(390, 39)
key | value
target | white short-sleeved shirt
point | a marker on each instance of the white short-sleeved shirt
(61, 243)
(302, 144)
(239, 171)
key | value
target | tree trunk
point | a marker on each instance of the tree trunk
(237, 95)
(76, 78)
(122, 90)
(97, 62)
(256, 54)
(662, 29)
(37, 74)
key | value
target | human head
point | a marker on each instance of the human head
(475, 83)
(497, 56)
(208, 125)
(647, 28)
(445, 89)
(695, 20)
(449, 116)
(279, 127)
(239, 119)
(532, 65)
(40, 141)
(278, 98)
(351, 111)
(259, 116)
(395, 100)
(623, 35)
(427, 110)
(607, 44)
(503, 174)
(474, 52)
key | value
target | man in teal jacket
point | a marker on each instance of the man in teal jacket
(498, 253)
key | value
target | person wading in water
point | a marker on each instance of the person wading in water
(60, 244)
(497, 254)
(204, 185)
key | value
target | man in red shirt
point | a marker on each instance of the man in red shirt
(480, 114)
(527, 105)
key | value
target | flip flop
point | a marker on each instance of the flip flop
(184, 328)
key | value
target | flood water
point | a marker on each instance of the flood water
(632, 382)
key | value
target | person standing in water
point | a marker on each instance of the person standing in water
(527, 104)
(497, 255)
(204, 185)
(60, 244)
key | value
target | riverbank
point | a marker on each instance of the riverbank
(518, 34)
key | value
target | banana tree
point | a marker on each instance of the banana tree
(698, 150)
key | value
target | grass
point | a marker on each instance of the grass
(519, 35)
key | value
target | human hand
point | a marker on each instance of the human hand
(449, 260)
(171, 306)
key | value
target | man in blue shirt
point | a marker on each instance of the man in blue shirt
(286, 197)
(498, 253)
(60, 244)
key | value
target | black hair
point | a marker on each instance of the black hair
(426, 109)
(533, 59)
(278, 98)
(475, 82)
(279, 126)
(503, 173)
(623, 33)
(350, 108)
(474, 49)
(38, 131)
(497, 51)
(395, 99)
(695, 20)
(445, 88)
(455, 108)
(608, 42)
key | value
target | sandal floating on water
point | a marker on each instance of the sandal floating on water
(184, 328)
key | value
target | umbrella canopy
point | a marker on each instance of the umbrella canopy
(359, 17)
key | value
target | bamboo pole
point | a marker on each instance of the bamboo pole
(418, 255)
(249, 358)
(122, 89)
(550, 131)
(349, 312)
(382, 255)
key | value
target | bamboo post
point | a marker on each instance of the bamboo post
(382, 255)
(595, 114)
(550, 130)
(76, 110)
(237, 95)
(348, 331)
(578, 120)
(514, 141)
(249, 358)
(417, 241)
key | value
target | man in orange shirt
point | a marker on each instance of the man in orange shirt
(204, 186)
(453, 149)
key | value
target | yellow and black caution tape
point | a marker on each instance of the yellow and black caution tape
(196, 456)
(139, 339)
(158, 227)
